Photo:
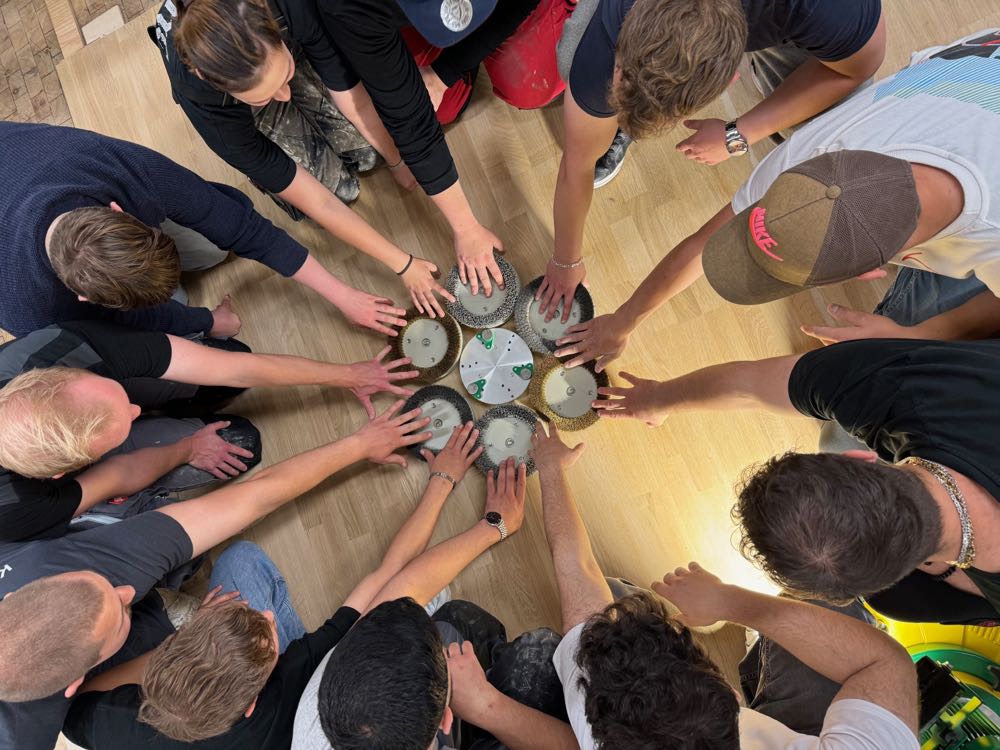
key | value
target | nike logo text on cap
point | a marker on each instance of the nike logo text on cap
(761, 237)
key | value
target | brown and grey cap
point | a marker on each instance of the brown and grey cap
(823, 221)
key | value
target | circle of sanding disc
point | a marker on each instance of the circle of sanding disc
(432, 344)
(540, 334)
(564, 394)
(505, 432)
(496, 366)
(447, 409)
(478, 310)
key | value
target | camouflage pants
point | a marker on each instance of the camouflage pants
(313, 132)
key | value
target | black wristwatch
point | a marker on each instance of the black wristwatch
(495, 520)
(736, 144)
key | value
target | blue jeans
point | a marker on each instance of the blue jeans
(246, 568)
(914, 297)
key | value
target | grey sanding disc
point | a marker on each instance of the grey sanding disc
(505, 432)
(496, 366)
(478, 310)
(541, 335)
(432, 344)
(447, 409)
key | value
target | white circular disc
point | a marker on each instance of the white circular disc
(425, 342)
(480, 304)
(570, 391)
(496, 366)
(507, 437)
(555, 328)
(444, 419)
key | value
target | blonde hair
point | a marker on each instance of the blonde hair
(43, 432)
(204, 677)
(113, 259)
(675, 57)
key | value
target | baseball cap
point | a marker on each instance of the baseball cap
(446, 22)
(823, 221)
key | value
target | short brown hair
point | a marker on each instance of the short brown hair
(203, 678)
(826, 526)
(227, 41)
(648, 685)
(44, 432)
(675, 57)
(113, 259)
(49, 629)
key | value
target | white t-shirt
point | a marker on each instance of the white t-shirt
(849, 724)
(938, 111)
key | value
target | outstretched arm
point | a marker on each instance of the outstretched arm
(412, 538)
(867, 663)
(125, 474)
(604, 338)
(191, 362)
(582, 589)
(733, 385)
(425, 576)
(219, 515)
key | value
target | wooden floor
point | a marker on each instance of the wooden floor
(652, 500)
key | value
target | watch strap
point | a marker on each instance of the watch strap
(499, 526)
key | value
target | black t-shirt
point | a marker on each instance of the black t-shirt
(138, 552)
(107, 721)
(828, 29)
(227, 124)
(932, 399)
(39, 508)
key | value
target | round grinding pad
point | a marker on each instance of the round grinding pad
(540, 334)
(478, 310)
(505, 432)
(496, 366)
(432, 344)
(564, 394)
(447, 409)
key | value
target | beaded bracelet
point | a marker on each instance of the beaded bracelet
(574, 264)
(445, 476)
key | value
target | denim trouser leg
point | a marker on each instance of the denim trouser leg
(245, 567)
(778, 685)
(914, 297)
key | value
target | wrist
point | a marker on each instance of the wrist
(480, 709)
(491, 534)
(442, 480)
(185, 448)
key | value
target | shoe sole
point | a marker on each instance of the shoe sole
(611, 175)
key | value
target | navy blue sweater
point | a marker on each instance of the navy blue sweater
(46, 171)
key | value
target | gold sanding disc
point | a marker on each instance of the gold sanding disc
(564, 394)
(432, 344)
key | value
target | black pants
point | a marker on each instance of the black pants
(521, 669)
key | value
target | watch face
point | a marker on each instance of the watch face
(493, 518)
(737, 147)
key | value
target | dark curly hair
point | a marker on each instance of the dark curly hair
(674, 57)
(649, 686)
(826, 526)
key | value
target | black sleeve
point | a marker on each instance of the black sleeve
(231, 133)
(304, 654)
(127, 353)
(33, 725)
(851, 383)
(592, 69)
(305, 27)
(170, 317)
(137, 552)
(366, 34)
(836, 30)
(36, 508)
(104, 720)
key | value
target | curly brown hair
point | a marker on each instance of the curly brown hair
(826, 526)
(673, 58)
(649, 686)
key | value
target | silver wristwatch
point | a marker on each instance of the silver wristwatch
(495, 520)
(736, 144)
